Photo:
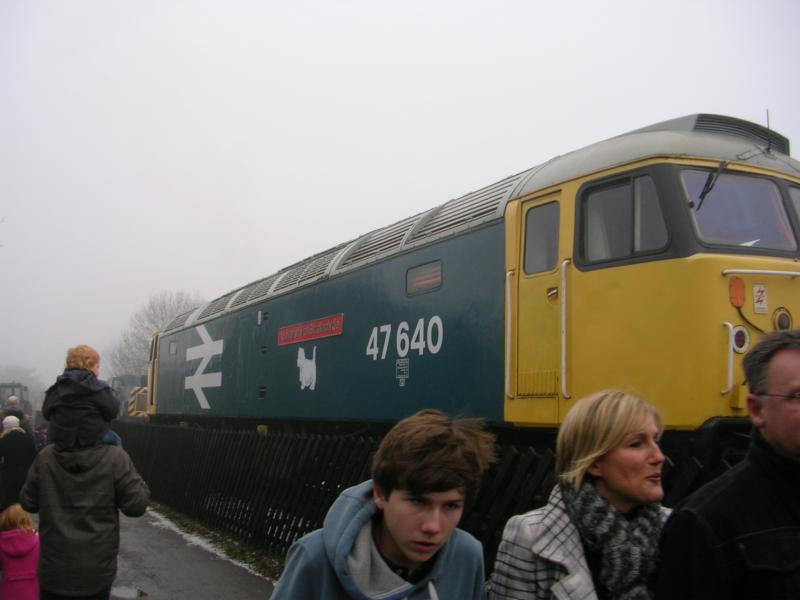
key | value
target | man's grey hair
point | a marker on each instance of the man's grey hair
(12, 401)
(756, 361)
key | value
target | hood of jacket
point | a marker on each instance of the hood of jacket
(79, 382)
(349, 514)
(79, 460)
(18, 542)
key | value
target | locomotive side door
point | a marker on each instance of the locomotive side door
(538, 308)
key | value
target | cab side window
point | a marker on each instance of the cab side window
(794, 194)
(541, 238)
(622, 220)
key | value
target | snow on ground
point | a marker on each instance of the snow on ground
(163, 522)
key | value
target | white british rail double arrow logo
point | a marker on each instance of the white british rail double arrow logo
(205, 351)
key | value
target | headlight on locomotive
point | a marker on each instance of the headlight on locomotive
(741, 339)
(781, 320)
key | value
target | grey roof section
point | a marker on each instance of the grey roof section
(694, 136)
(725, 126)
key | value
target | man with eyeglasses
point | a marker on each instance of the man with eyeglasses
(739, 536)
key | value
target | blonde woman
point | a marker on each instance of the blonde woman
(597, 536)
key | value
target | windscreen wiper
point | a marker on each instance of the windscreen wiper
(711, 181)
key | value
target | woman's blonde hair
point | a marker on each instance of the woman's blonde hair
(15, 517)
(82, 357)
(594, 426)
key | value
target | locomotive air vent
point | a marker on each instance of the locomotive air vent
(216, 306)
(378, 242)
(317, 267)
(291, 277)
(725, 126)
(745, 129)
(244, 294)
(178, 321)
(474, 206)
(261, 288)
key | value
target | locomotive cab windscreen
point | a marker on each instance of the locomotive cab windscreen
(731, 211)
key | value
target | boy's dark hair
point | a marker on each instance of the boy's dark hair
(756, 361)
(430, 452)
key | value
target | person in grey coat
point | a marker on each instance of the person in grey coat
(597, 536)
(78, 494)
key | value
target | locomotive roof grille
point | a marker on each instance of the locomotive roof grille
(319, 266)
(290, 278)
(178, 321)
(216, 306)
(239, 296)
(725, 125)
(714, 123)
(307, 270)
(260, 288)
(473, 206)
(244, 294)
(380, 241)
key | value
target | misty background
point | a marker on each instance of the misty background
(177, 145)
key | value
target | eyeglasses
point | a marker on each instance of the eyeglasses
(790, 398)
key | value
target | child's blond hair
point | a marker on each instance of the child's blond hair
(15, 517)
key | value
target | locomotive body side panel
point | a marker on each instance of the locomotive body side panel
(353, 347)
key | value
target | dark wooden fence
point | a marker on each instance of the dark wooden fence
(271, 489)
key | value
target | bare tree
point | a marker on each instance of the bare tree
(130, 354)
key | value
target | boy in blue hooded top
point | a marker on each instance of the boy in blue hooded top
(395, 537)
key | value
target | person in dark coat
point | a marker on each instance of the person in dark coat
(739, 536)
(17, 453)
(78, 494)
(79, 406)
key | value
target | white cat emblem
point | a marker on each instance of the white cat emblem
(308, 369)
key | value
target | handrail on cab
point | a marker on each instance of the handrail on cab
(564, 392)
(729, 387)
(509, 330)
(791, 274)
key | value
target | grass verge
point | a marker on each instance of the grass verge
(255, 557)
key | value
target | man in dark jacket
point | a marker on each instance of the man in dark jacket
(78, 494)
(739, 536)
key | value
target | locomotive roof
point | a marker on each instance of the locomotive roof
(701, 135)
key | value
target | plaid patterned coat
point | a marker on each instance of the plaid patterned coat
(541, 557)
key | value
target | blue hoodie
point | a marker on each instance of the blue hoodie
(340, 562)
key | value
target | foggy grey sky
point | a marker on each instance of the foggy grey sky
(198, 145)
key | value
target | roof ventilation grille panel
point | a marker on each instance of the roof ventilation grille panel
(216, 306)
(476, 205)
(381, 241)
(745, 129)
(261, 288)
(178, 321)
(316, 267)
(291, 278)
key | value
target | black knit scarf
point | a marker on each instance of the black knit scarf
(627, 543)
